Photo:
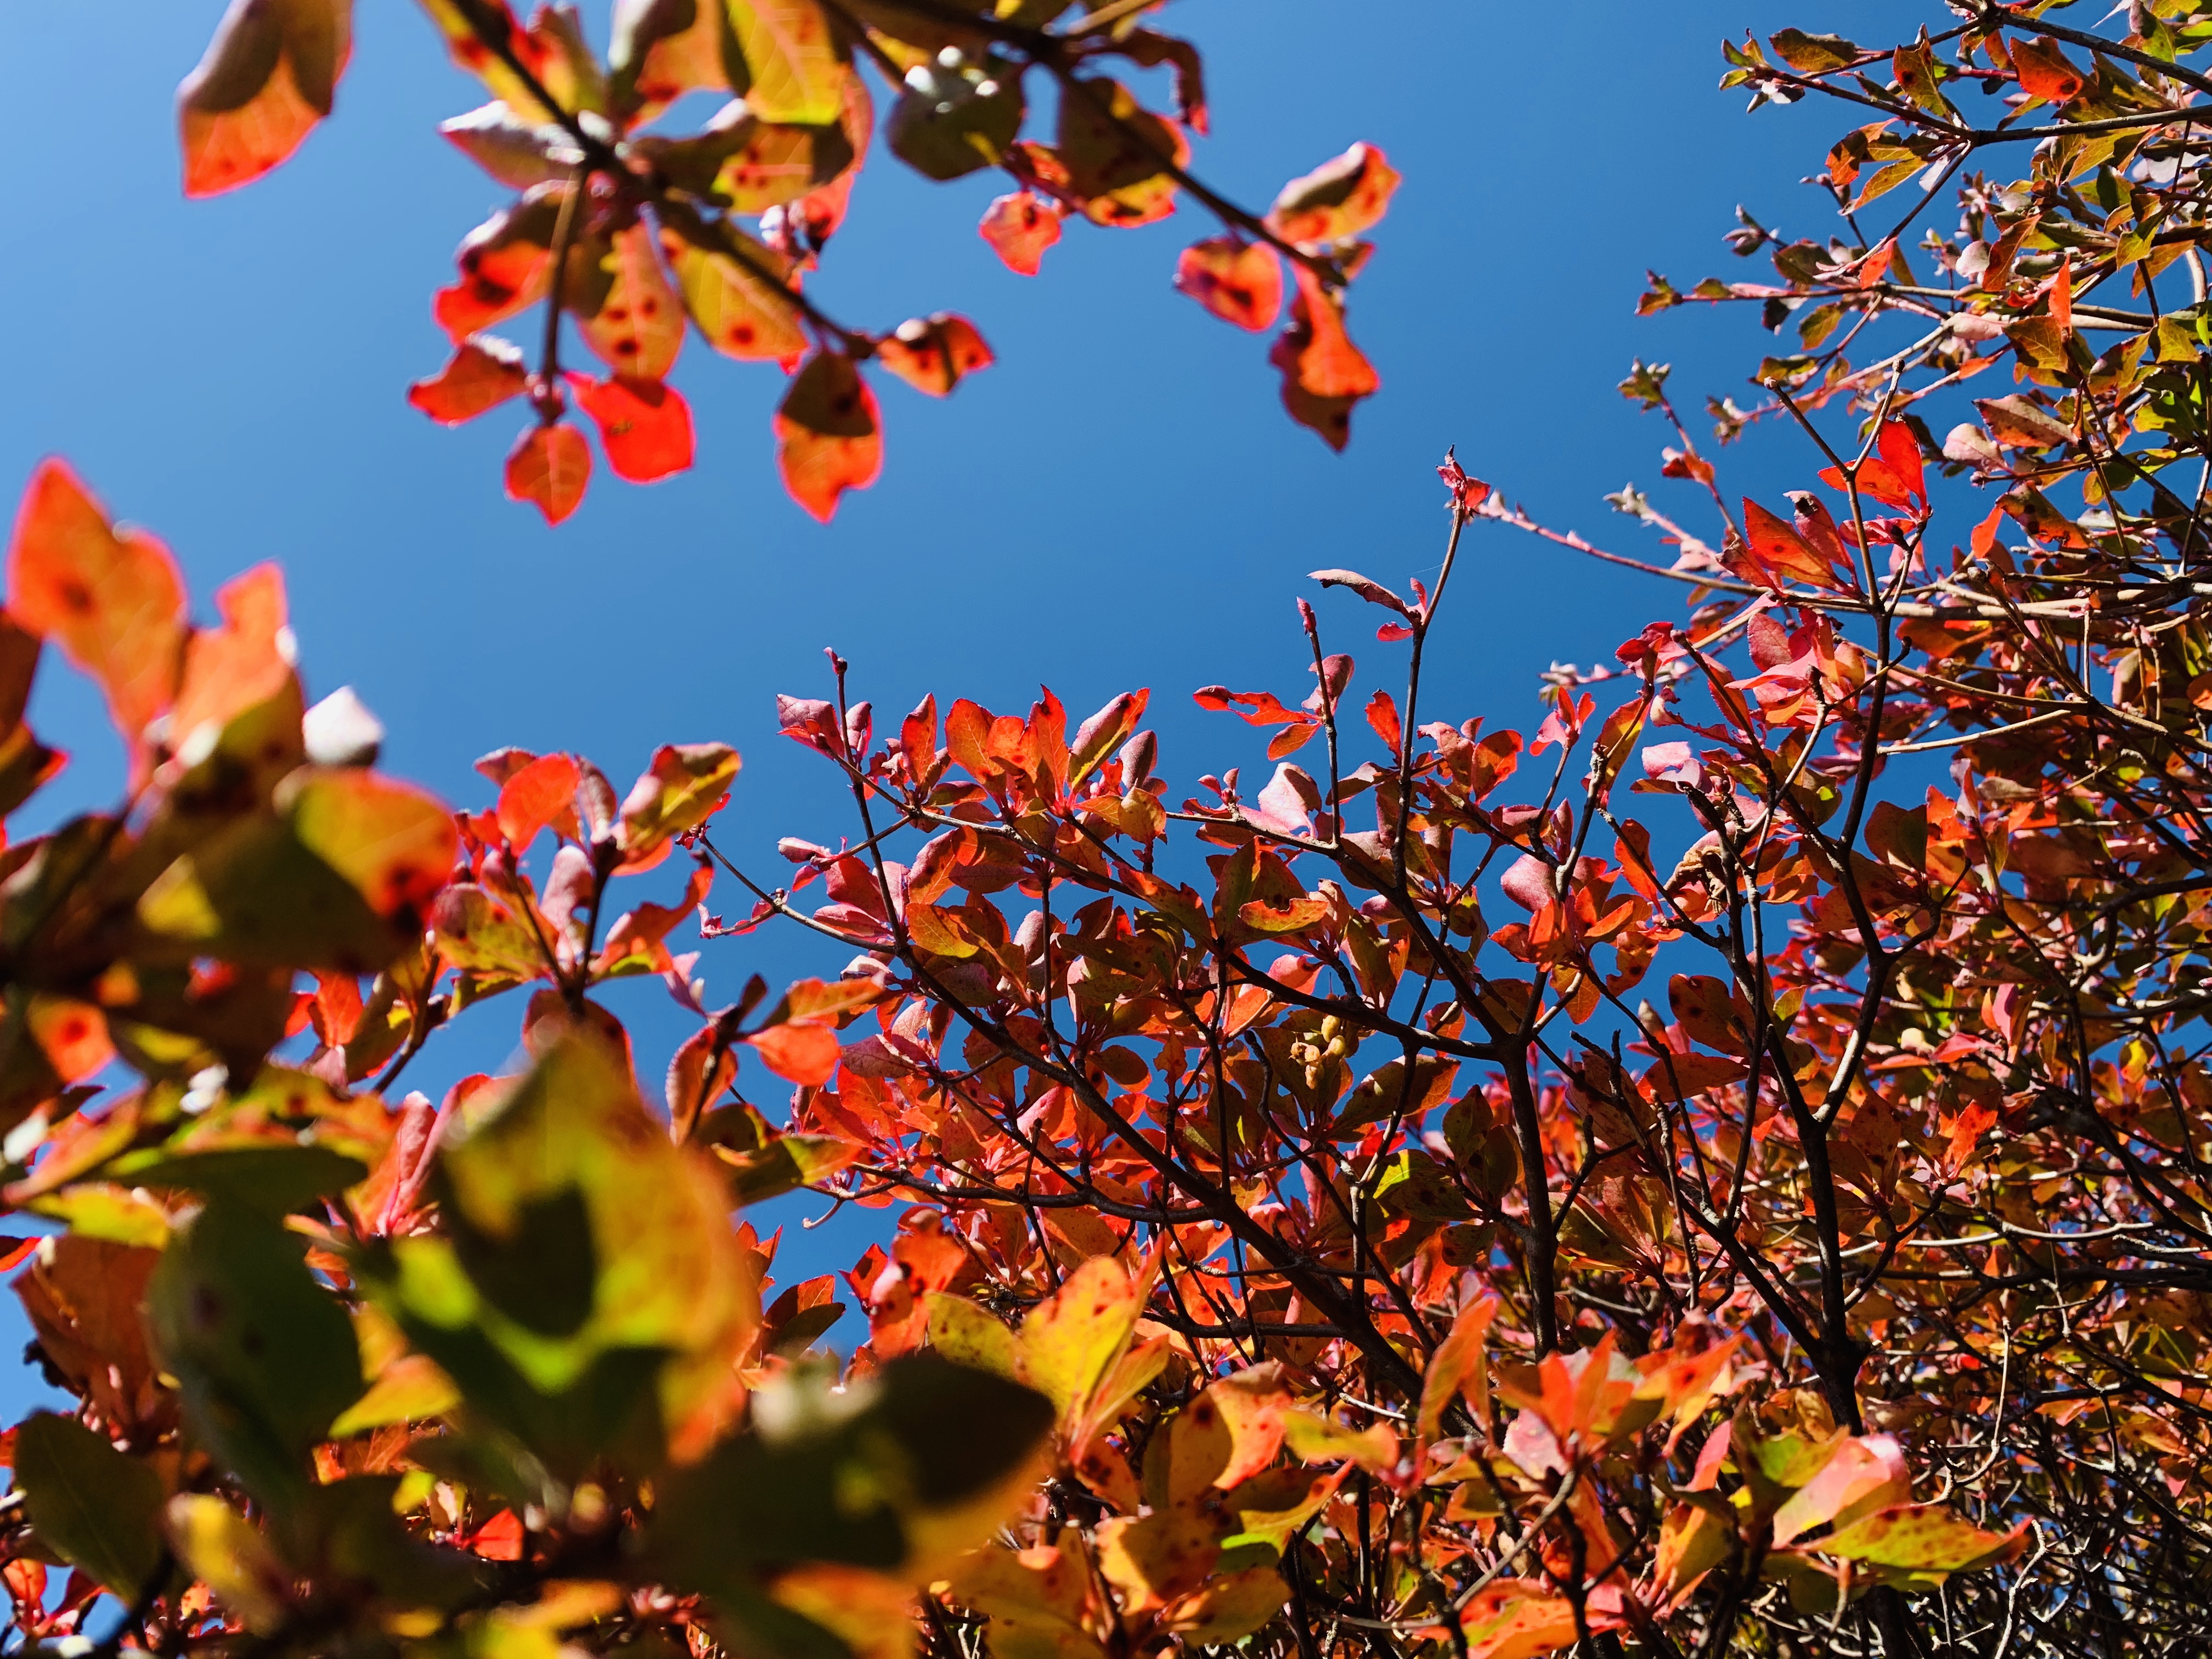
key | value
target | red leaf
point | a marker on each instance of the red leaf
(536, 796)
(1019, 228)
(1241, 283)
(644, 425)
(829, 436)
(485, 371)
(1383, 715)
(550, 465)
(934, 355)
(1892, 474)
(800, 1054)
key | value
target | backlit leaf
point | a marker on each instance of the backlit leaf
(933, 355)
(798, 74)
(1338, 199)
(113, 602)
(548, 467)
(269, 76)
(678, 791)
(1241, 283)
(829, 439)
(738, 310)
(1118, 154)
(1072, 1339)
(645, 425)
(636, 325)
(483, 372)
(801, 1054)
(1019, 228)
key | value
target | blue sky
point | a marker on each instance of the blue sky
(1119, 503)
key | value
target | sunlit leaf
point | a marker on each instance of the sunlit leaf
(1241, 283)
(828, 434)
(270, 74)
(548, 467)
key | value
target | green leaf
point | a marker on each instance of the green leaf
(587, 1262)
(953, 126)
(275, 1180)
(896, 1472)
(264, 1354)
(338, 878)
(99, 1509)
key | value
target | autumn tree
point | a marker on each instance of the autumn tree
(1724, 1172)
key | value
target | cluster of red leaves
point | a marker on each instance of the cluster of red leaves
(634, 232)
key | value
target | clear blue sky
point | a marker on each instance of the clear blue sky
(1119, 503)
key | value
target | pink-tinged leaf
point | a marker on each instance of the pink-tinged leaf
(829, 436)
(1528, 882)
(806, 1054)
(645, 425)
(1019, 228)
(1373, 591)
(484, 372)
(1864, 1474)
(1467, 493)
(550, 465)
(1673, 762)
(1241, 283)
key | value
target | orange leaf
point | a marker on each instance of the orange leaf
(229, 670)
(73, 1035)
(1019, 228)
(550, 465)
(1338, 199)
(115, 603)
(1239, 283)
(829, 435)
(269, 76)
(1324, 374)
(485, 371)
(801, 1054)
(644, 425)
(2045, 72)
(934, 355)
(1779, 550)
(534, 797)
